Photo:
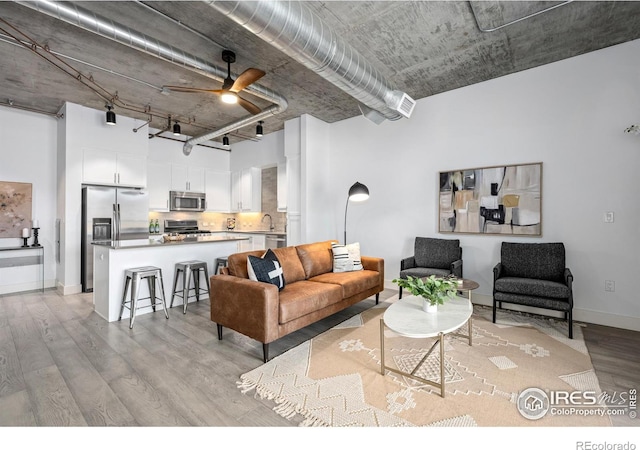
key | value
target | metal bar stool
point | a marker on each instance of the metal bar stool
(220, 263)
(133, 277)
(190, 270)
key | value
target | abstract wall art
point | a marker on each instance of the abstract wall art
(15, 208)
(492, 200)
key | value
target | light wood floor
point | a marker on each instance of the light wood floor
(62, 365)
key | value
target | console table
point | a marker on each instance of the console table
(17, 257)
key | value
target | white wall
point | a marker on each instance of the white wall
(170, 151)
(569, 115)
(30, 157)
(267, 152)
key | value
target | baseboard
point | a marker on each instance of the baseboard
(579, 315)
(25, 287)
(69, 290)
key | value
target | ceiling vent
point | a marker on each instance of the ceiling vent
(406, 105)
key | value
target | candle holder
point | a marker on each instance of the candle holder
(25, 242)
(35, 237)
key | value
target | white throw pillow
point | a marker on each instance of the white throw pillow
(346, 258)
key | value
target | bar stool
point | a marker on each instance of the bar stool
(133, 277)
(190, 270)
(220, 263)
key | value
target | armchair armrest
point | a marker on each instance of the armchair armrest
(456, 268)
(408, 263)
(568, 277)
(247, 306)
(497, 271)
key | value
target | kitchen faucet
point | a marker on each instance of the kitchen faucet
(271, 227)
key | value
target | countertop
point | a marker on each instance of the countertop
(276, 233)
(156, 241)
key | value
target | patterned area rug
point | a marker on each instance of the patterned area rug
(334, 379)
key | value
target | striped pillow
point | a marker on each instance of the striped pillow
(346, 258)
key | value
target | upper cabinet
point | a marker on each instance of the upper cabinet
(218, 190)
(246, 190)
(281, 194)
(158, 185)
(187, 178)
(114, 168)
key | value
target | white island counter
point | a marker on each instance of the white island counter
(112, 258)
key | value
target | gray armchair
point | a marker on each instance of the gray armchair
(534, 275)
(440, 257)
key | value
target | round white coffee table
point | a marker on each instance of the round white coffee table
(406, 318)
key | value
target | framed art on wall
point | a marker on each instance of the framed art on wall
(15, 208)
(505, 200)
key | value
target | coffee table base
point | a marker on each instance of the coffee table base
(439, 341)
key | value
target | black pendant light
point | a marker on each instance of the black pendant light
(225, 141)
(111, 116)
(176, 129)
(259, 132)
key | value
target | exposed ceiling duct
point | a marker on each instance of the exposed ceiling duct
(297, 31)
(104, 27)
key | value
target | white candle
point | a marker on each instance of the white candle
(35, 224)
(25, 232)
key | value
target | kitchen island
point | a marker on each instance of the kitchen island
(112, 258)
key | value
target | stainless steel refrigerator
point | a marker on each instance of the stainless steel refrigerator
(110, 214)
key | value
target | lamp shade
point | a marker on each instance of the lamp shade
(358, 192)
(176, 129)
(111, 117)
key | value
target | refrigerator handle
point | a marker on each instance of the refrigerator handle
(118, 221)
(114, 226)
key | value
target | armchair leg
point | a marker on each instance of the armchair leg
(494, 311)
(570, 320)
(265, 352)
(377, 297)
(219, 332)
(400, 295)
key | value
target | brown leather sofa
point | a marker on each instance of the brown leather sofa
(312, 292)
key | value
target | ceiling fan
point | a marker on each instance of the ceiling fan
(230, 87)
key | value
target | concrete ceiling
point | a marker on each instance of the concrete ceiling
(421, 47)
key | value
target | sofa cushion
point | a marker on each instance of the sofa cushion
(266, 269)
(545, 261)
(532, 287)
(305, 297)
(352, 283)
(316, 258)
(291, 265)
(346, 258)
(436, 253)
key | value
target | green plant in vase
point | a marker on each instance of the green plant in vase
(433, 290)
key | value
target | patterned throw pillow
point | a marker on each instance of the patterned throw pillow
(346, 258)
(266, 269)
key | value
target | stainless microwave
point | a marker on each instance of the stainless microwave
(187, 201)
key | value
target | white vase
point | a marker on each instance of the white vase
(428, 307)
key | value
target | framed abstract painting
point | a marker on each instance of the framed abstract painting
(504, 200)
(15, 208)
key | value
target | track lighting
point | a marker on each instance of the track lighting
(225, 141)
(176, 129)
(111, 116)
(259, 128)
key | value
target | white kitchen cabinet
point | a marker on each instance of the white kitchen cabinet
(113, 168)
(281, 193)
(246, 190)
(158, 185)
(187, 178)
(218, 190)
(254, 242)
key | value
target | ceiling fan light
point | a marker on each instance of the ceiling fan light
(176, 129)
(229, 97)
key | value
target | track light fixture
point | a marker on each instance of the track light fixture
(111, 116)
(259, 128)
(176, 129)
(225, 141)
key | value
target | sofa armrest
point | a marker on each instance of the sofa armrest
(375, 264)
(247, 306)
(456, 268)
(408, 263)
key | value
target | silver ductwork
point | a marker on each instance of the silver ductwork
(75, 15)
(297, 31)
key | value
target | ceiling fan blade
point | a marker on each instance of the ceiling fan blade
(246, 104)
(191, 89)
(246, 78)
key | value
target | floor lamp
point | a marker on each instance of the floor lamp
(358, 193)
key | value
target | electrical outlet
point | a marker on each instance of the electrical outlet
(608, 217)
(609, 286)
